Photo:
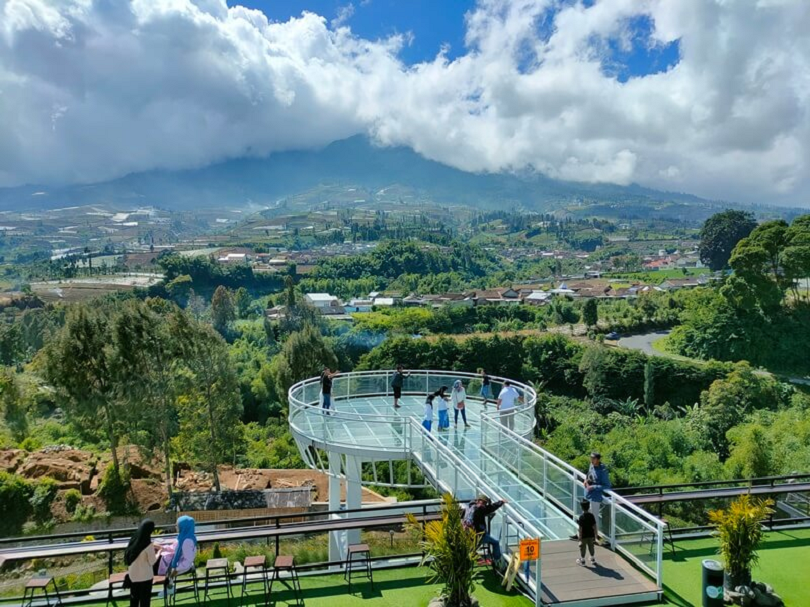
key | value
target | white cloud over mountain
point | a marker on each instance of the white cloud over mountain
(94, 89)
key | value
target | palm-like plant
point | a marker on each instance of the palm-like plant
(450, 551)
(739, 530)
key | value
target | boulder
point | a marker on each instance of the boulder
(71, 468)
(12, 459)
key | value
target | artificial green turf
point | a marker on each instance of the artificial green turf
(404, 587)
(783, 557)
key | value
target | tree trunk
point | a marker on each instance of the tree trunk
(213, 450)
(168, 464)
(111, 436)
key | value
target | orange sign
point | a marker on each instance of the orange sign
(530, 549)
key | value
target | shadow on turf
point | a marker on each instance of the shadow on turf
(684, 554)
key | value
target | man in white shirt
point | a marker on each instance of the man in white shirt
(507, 401)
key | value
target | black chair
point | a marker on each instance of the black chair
(114, 582)
(358, 562)
(170, 599)
(259, 566)
(215, 570)
(41, 584)
(286, 564)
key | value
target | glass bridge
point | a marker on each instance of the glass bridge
(362, 437)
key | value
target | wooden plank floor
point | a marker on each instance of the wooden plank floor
(565, 581)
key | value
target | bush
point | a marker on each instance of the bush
(84, 513)
(30, 444)
(72, 499)
(114, 490)
(42, 500)
(15, 493)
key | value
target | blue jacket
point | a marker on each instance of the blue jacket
(598, 481)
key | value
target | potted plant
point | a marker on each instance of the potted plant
(450, 550)
(739, 529)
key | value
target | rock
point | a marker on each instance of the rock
(71, 468)
(11, 459)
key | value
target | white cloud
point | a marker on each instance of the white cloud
(93, 89)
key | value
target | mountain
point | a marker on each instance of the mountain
(354, 161)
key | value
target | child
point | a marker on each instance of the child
(427, 423)
(444, 415)
(586, 533)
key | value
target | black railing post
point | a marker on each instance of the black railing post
(278, 537)
(110, 558)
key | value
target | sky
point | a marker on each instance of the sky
(710, 97)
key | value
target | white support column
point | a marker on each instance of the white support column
(354, 494)
(335, 552)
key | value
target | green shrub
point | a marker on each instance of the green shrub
(114, 490)
(15, 493)
(84, 513)
(72, 499)
(30, 444)
(42, 500)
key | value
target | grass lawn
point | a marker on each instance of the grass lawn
(781, 558)
(404, 587)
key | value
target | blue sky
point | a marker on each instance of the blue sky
(437, 23)
(431, 22)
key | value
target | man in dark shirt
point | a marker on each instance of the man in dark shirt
(396, 384)
(484, 508)
(587, 533)
(326, 387)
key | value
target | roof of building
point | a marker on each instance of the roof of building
(325, 297)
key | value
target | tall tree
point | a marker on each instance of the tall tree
(77, 364)
(590, 312)
(242, 302)
(222, 309)
(210, 405)
(649, 385)
(305, 354)
(720, 234)
(13, 406)
(145, 367)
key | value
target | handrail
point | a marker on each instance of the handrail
(126, 531)
(756, 481)
(427, 373)
(580, 475)
(472, 474)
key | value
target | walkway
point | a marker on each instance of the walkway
(542, 492)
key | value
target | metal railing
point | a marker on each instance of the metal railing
(453, 474)
(632, 531)
(381, 436)
(315, 525)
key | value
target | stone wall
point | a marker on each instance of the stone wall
(275, 499)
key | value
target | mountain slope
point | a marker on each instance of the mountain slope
(351, 161)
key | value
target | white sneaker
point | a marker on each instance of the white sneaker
(581, 562)
(593, 561)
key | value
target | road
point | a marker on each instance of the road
(644, 342)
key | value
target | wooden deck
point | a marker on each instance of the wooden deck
(612, 581)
